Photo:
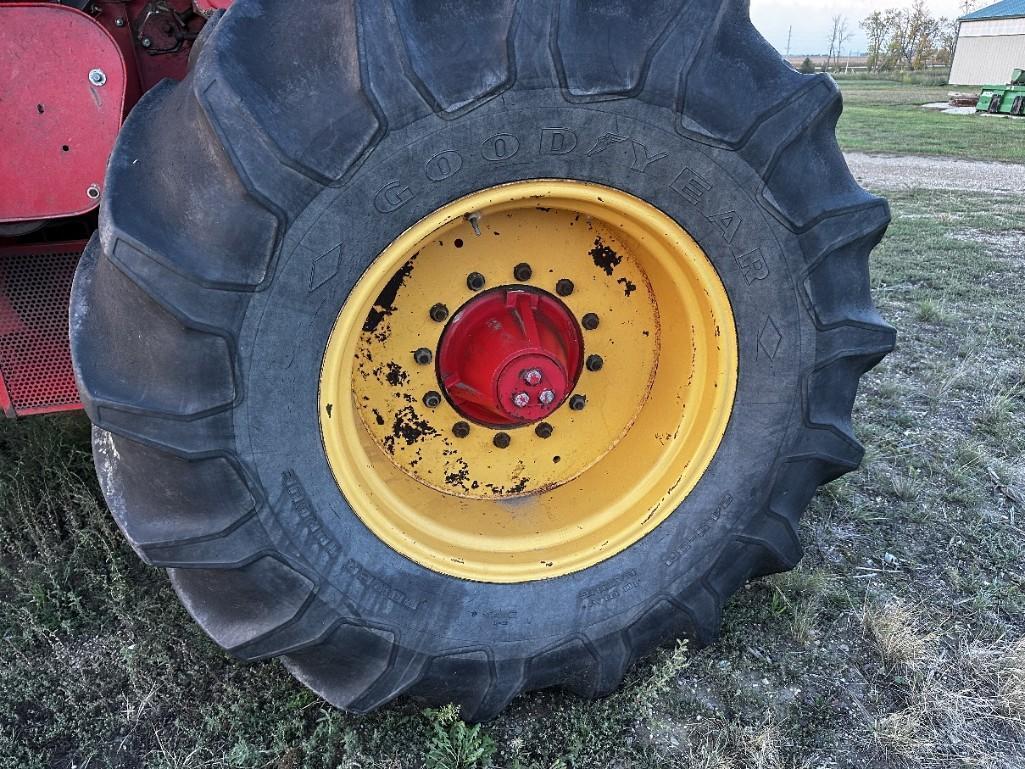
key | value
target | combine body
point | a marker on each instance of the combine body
(1004, 99)
(72, 72)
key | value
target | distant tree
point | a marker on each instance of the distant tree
(926, 32)
(967, 6)
(947, 40)
(908, 38)
(900, 50)
(806, 66)
(876, 32)
(838, 38)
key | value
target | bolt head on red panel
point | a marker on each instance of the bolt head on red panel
(510, 357)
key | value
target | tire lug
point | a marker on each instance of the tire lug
(564, 287)
(423, 356)
(475, 281)
(438, 312)
(501, 440)
(461, 429)
(577, 402)
(522, 272)
(432, 399)
(589, 321)
(543, 430)
(594, 363)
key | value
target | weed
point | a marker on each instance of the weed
(454, 744)
(928, 311)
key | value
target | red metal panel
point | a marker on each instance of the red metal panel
(35, 356)
(60, 118)
(208, 6)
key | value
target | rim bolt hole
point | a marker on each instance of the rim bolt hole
(577, 402)
(594, 363)
(438, 312)
(475, 281)
(543, 430)
(564, 287)
(432, 399)
(501, 440)
(522, 272)
(423, 356)
(461, 429)
(589, 321)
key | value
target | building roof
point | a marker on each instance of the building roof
(1002, 10)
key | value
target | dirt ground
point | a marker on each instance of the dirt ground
(902, 172)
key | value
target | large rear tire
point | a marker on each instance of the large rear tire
(242, 207)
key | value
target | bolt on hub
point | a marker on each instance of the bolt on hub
(510, 357)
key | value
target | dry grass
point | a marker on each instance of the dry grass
(958, 706)
(892, 627)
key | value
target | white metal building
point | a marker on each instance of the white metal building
(990, 44)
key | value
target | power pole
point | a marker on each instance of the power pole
(790, 29)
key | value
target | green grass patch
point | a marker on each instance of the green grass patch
(885, 116)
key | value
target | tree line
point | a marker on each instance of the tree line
(899, 39)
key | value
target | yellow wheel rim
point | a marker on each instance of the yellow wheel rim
(609, 473)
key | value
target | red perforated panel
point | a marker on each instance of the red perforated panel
(35, 357)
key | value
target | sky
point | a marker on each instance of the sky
(812, 20)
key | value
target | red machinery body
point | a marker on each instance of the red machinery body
(62, 110)
(70, 73)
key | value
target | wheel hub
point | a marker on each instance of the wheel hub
(510, 357)
(505, 441)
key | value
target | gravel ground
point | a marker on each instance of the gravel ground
(901, 172)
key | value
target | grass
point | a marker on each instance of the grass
(933, 77)
(886, 116)
(898, 642)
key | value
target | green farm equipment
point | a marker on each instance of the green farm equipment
(1004, 99)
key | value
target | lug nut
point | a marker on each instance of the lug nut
(461, 429)
(522, 272)
(501, 440)
(546, 397)
(422, 356)
(543, 430)
(521, 400)
(432, 399)
(594, 363)
(438, 312)
(475, 281)
(564, 287)
(577, 402)
(531, 376)
(589, 321)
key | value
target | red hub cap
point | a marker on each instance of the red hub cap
(510, 357)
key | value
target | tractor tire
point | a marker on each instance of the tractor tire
(242, 207)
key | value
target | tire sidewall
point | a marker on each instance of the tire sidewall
(286, 329)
